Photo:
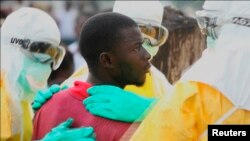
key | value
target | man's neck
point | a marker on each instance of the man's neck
(103, 79)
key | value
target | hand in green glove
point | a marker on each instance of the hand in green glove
(63, 133)
(115, 103)
(43, 95)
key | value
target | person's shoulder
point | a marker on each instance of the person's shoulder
(198, 95)
(61, 95)
(194, 88)
(54, 105)
(183, 90)
(57, 99)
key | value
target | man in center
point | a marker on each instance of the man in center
(111, 44)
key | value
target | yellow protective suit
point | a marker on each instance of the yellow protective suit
(156, 84)
(192, 107)
(9, 130)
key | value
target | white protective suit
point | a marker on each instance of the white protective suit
(215, 90)
(22, 73)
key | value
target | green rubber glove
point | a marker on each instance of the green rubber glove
(43, 95)
(63, 133)
(114, 103)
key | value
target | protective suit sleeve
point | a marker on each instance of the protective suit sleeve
(171, 119)
(63, 133)
(43, 95)
(115, 103)
(185, 116)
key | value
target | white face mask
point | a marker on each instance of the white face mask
(33, 77)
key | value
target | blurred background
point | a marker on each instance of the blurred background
(183, 47)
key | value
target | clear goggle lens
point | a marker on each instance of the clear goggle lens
(207, 25)
(154, 35)
(45, 53)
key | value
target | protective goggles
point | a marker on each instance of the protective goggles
(208, 26)
(44, 53)
(154, 35)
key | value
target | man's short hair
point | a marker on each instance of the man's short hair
(101, 33)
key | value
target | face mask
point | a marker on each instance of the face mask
(151, 50)
(210, 42)
(33, 77)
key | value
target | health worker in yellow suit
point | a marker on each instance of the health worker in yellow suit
(29, 51)
(216, 89)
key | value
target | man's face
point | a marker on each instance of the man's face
(132, 59)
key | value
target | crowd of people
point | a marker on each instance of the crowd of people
(116, 93)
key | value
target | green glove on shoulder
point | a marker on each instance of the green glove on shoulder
(43, 95)
(115, 103)
(63, 133)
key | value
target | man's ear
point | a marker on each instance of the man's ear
(107, 59)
